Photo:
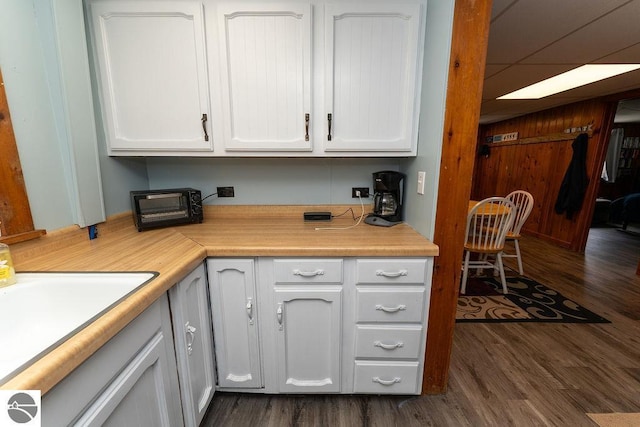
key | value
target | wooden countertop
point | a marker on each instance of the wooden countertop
(174, 252)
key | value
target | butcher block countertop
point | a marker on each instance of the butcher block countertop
(238, 231)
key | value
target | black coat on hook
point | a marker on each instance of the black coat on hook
(575, 182)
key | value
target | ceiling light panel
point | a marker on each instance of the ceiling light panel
(571, 79)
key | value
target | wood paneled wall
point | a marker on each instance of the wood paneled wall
(537, 163)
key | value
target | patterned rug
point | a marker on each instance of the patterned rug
(527, 301)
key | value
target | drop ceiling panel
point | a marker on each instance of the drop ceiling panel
(528, 26)
(611, 33)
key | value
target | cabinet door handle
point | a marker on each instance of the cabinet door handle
(391, 273)
(329, 119)
(250, 310)
(318, 272)
(386, 382)
(279, 315)
(400, 307)
(306, 127)
(388, 346)
(191, 337)
(204, 126)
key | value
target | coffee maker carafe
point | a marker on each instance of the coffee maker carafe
(388, 188)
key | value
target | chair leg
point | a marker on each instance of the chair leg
(518, 256)
(465, 272)
(502, 278)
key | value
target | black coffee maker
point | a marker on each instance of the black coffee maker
(388, 188)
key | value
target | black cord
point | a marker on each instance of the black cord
(205, 198)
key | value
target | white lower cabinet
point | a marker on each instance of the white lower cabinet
(131, 380)
(392, 298)
(320, 325)
(232, 286)
(193, 344)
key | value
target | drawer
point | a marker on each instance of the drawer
(391, 342)
(309, 270)
(396, 304)
(391, 271)
(386, 377)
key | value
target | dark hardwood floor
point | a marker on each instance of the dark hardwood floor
(506, 374)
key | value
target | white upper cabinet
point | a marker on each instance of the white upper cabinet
(152, 75)
(265, 74)
(373, 70)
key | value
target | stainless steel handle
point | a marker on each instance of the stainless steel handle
(306, 127)
(191, 337)
(279, 315)
(388, 346)
(250, 310)
(400, 307)
(318, 272)
(329, 119)
(204, 127)
(386, 382)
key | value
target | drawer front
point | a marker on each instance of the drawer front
(390, 342)
(390, 304)
(308, 270)
(390, 271)
(386, 377)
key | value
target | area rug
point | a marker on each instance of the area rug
(527, 301)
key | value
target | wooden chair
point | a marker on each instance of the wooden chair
(524, 204)
(487, 225)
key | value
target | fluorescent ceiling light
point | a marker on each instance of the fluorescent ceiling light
(571, 79)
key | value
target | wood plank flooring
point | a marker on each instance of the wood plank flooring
(506, 374)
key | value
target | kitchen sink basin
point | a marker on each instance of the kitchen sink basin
(44, 309)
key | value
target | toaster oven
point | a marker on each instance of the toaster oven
(165, 208)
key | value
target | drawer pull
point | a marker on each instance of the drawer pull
(400, 307)
(386, 382)
(391, 273)
(388, 346)
(318, 272)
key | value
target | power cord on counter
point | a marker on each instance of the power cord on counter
(354, 217)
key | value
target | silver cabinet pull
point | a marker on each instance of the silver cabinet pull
(279, 315)
(306, 127)
(329, 119)
(250, 310)
(386, 382)
(388, 346)
(191, 337)
(398, 273)
(204, 126)
(318, 272)
(400, 307)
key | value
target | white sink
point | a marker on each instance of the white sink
(43, 309)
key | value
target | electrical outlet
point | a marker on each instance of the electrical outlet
(226, 192)
(364, 192)
(421, 179)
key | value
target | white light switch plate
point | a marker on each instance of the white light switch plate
(421, 179)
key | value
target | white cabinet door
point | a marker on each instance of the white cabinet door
(373, 71)
(152, 75)
(309, 330)
(131, 380)
(266, 75)
(235, 322)
(194, 344)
